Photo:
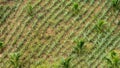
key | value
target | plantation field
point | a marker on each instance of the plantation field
(44, 33)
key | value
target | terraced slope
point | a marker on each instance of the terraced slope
(49, 34)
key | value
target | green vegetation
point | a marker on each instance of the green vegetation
(46, 64)
(100, 26)
(118, 23)
(30, 10)
(1, 47)
(66, 63)
(11, 0)
(116, 4)
(75, 8)
(2, 10)
(113, 60)
(15, 59)
(79, 46)
(1, 44)
(43, 31)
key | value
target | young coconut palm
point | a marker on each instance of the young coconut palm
(75, 8)
(100, 26)
(14, 59)
(79, 46)
(30, 9)
(113, 60)
(66, 63)
(1, 47)
(116, 4)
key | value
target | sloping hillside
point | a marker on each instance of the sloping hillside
(46, 33)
